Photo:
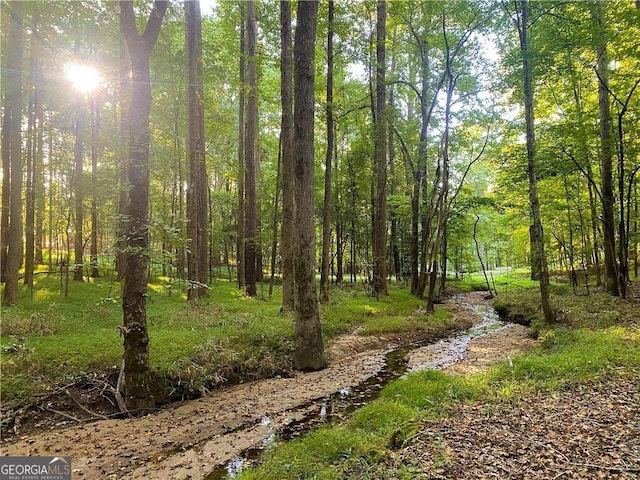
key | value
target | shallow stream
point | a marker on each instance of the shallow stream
(398, 362)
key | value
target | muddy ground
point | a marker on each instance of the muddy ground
(190, 439)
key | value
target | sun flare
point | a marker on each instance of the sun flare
(84, 78)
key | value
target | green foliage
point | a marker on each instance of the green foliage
(228, 337)
(360, 448)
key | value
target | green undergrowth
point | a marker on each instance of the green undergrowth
(598, 340)
(503, 280)
(50, 339)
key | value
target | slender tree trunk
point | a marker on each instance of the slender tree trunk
(606, 151)
(309, 351)
(442, 196)
(38, 173)
(197, 193)
(538, 236)
(380, 168)
(636, 252)
(571, 250)
(241, 151)
(251, 220)
(288, 173)
(29, 221)
(138, 392)
(78, 192)
(51, 175)
(123, 163)
(395, 252)
(14, 109)
(95, 127)
(326, 211)
(6, 145)
(479, 255)
(274, 224)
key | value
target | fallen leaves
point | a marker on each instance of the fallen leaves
(590, 432)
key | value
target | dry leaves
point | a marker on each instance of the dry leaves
(591, 432)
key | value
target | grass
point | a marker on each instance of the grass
(50, 339)
(599, 338)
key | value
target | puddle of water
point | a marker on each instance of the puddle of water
(347, 400)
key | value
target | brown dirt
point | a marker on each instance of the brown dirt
(190, 439)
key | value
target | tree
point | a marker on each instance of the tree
(380, 166)
(241, 150)
(288, 166)
(14, 132)
(95, 127)
(250, 155)
(138, 395)
(537, 236)
(197, 205)
(606, 150)
(309, 352)
(326, 210)
(78, 190)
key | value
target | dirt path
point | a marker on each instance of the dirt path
(190, 439)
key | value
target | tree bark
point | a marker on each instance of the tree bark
(241, 151)
(288, 173)
(537, 232)
(31, 173)
(6, 155)
(606, 150)
(78, 192)
(14, 110)
(380, 167)
(95, 127)
(138, 392)
(124, 85)
(326, 210)
(309, 351)
(274, 224)
(251, 220)
(197, 193)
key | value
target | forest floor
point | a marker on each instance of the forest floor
(189, 439)
(593, 430)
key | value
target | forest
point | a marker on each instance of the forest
(213, 208)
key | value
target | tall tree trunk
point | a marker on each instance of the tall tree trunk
(78, 192)
(6, 147)
(537, 232)
(380, 168)
(197, 202)
(241, 151)
(124, 85)
(636, 252)
(571, 250)
(251, 221)
(309, 351)
(288, 173)
(606, 150)
(39, 183)
(31, 174)
(274, 224)
(395, 252)
(14, 110)
(95, 126)
(138, 393)
(444, 187)
(326, 210)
